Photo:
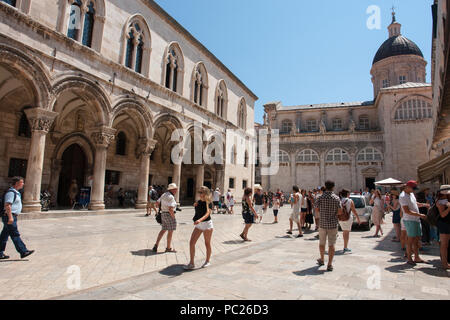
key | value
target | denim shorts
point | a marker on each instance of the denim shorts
(413, 228)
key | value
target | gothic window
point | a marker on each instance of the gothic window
(385, 83)
(364, 123)
(414, 109)
(121, 144)
(246, 160)
(370, 154)
(242, 114)
(174, 68)
(200, 85)
(402, 79)
(74, 20)
(88, 25)
(283, 157)
(10, 2)
(307, 156)
(221, 99)
(286, 127)
(337, 155)
(337, 124)
(136, 44)
(81, 21)
(311, 125)
(24, 125)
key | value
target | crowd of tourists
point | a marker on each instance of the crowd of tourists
(420, 218)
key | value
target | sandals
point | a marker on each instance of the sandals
(330, 268)
(320, 262)
(171, 250)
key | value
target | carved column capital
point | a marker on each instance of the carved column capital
(40, 119)
(145, 147)
(104, 136)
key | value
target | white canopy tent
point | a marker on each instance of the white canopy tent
(389, 182)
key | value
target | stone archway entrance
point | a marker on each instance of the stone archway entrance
(73, 168)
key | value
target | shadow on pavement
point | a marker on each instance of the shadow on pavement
(400, 268)
(145, 253)
(233, 242)
(13, 260)
(173, 270)
(314, 271)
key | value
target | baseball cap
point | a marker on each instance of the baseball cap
(413, 184)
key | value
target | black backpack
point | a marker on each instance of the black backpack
(153, 195)
(433, 215)
(2, 201)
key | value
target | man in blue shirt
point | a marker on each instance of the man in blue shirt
(13, 207)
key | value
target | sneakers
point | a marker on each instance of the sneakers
(289, 232)
(3, 257)
(206, 265)
(189, 267)
(26, 254)
(347, 250)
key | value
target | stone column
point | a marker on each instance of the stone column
(102, 140)
(40, 121)
(144, 151)
(220, 178)
(322, 177)
(199, 179)
(293, 168)
(176, 178)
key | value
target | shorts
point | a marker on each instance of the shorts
(295, 217)
(205, 225)
(216, 203)
(346, 225)
(396, 217)
(275, 212)
(331, 234)
(259, 208)
(168, 223)
(443, 227)
(304, 210)
(413, 228)
(248, 218)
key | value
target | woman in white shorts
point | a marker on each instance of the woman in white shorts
(203, 224)
(346, 226)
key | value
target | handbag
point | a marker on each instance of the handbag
(158, 216)
(345, 216)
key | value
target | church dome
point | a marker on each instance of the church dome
(395, 46)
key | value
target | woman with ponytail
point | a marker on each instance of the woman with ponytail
(203, 224)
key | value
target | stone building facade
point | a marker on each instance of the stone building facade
(437, 171)
(358, 143)
(92, 90)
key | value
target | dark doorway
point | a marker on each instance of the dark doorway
(190, 188)
(370, 183)
(208, 184)
(73, 168)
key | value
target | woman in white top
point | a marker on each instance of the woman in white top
(346, 226)
(377, 213)
(295, 216)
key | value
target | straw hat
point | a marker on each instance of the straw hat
(445, 189)
(172, 186)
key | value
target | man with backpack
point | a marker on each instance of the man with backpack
(346, 219)
(11, 208)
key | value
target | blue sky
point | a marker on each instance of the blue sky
(297, 51)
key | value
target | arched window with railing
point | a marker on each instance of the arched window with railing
(307, 156)
(414, 109)
(370, 154)
(337, 155)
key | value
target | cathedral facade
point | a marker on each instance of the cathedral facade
(92, 90)
(358, 143)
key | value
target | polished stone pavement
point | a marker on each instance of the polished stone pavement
(113, 255)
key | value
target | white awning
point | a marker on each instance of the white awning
(389, 182)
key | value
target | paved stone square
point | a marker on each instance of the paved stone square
(113, 254)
